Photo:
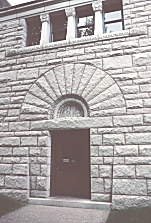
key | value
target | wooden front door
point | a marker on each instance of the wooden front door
(70, 169)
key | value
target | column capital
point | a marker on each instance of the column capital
(70, 11)
(97, 6)
(44, 17)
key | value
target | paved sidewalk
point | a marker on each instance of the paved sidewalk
(49, 214)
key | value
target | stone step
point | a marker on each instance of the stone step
(70, 202)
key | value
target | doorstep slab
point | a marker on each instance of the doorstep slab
(70, 202)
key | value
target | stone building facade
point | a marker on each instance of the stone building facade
(4, 3)
(99, 82)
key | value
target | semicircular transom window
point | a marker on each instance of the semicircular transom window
(70, 107)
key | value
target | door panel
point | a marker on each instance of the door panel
(70, 163)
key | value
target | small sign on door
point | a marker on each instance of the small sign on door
(65, 160)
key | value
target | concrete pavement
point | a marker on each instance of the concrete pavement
(49, 214)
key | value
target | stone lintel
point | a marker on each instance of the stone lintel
(72, 123)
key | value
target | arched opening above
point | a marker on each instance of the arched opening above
(70, 107)
(73, 90)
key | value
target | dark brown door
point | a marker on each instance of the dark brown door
(70, 169)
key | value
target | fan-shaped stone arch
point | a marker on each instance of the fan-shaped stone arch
(101, 93)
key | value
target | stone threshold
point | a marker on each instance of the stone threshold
(70, 202)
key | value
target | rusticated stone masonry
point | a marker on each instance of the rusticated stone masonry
(104, 81)
(4, 3)
(99, 90)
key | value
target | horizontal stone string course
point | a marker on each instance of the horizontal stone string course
(126, 33)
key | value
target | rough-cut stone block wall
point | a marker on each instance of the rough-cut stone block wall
(30, 82)
(4, 3)
(12, 35)
(136, 13)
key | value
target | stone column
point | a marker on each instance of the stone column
(98, 23)
(23, 33)
(71, 24)
(45, 31)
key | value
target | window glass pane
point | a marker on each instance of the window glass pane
(113, 27)
(112, 5)
(59, 26)
(88, 31)
(111, 16)
(84, 21)
(34, 31)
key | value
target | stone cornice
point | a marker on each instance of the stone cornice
(27, 6)
(88, 39)
(38, 7)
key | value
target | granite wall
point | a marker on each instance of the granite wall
(4, 3)
(113, 75)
